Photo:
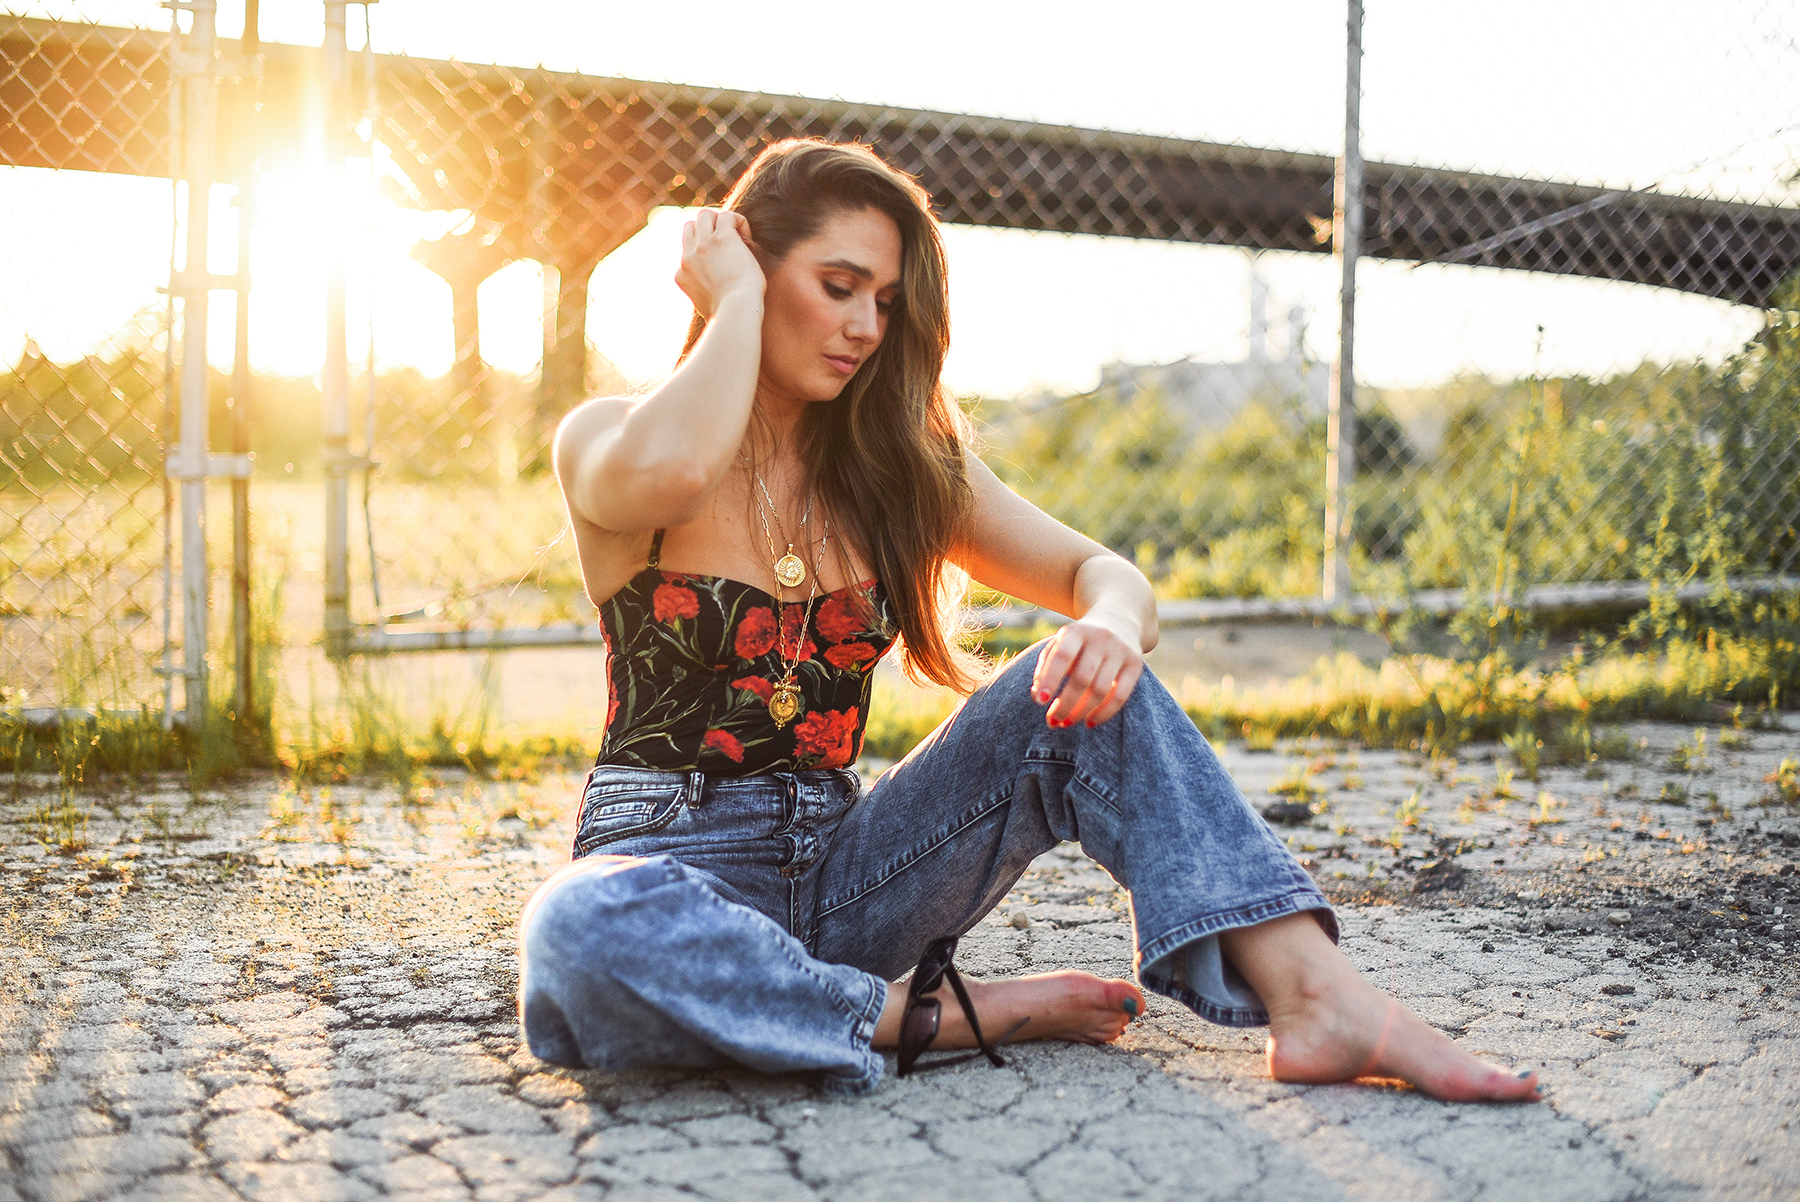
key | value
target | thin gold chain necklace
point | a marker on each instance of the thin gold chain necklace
(784, 699)
(790, 569)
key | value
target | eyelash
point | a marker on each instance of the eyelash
(838, 293)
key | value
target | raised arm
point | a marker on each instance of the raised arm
(654, 461)
(1093, 663)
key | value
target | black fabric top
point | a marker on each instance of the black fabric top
(693, 660)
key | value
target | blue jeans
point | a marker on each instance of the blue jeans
(757, 920)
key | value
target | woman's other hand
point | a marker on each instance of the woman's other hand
(1086, 672)
(716, 260)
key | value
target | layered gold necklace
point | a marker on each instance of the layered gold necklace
(789, 570)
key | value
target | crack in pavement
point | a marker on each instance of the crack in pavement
(309, 994)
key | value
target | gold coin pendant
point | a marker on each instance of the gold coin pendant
(790, 569)
(784, 703)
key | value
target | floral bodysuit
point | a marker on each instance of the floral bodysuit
(692, 662)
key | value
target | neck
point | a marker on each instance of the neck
(773, 434)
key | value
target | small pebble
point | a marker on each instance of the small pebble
(1020, 921)
(1619, 917)
(1062, 1093)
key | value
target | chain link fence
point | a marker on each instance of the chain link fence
(82, 422)
(1574, 364)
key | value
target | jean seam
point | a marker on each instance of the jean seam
(1092, 784)
(863, 1036)
(825, 983)
(905, 862)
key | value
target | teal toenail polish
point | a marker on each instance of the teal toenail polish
(1522, 1073)
(1131, 1006)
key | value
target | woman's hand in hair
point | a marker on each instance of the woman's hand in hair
(717, 260)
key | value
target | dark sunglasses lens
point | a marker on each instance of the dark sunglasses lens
(920, 1029)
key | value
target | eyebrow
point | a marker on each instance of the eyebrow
(847, 265)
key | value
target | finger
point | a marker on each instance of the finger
(1053, 665)
(1129, 676)
(1090, 679)
(689, 235)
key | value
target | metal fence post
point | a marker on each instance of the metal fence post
(335, 380)
(1346, 243)
(243, 665)
(199, 90)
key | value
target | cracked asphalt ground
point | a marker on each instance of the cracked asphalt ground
(273, 994)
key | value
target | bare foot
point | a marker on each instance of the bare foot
(1075, 1006)
(1326, 1023)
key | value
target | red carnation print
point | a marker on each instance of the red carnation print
(726, 743)
(672, 601)
(849, 656)
(839, 619)
(792, 617)
(828, 736)
(755, 684)
(756, 633)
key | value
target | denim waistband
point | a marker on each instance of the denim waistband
(696, 781)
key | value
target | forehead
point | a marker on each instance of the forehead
(862, 238)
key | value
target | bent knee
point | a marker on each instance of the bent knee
(585, 907)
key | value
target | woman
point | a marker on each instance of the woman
(756, 532)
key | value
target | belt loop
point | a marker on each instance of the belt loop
(696, 785)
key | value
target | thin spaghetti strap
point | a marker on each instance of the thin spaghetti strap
(656, 549)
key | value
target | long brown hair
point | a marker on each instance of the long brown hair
(887, 456)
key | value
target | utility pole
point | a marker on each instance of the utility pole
(1346, 244)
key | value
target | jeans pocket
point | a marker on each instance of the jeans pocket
(611, 811)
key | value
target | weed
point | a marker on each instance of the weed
(1526, 749)
(1297, 784)
(1549, 809)
(1411, 810)
(1259, 737)
(59, 825)
(1690, 757)
(1786, 779)
(1672, 794)
(1503, 786)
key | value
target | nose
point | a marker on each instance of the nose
(865, 321)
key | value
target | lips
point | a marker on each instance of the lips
(843, 363)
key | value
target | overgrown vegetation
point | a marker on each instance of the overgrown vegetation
(1571, 477)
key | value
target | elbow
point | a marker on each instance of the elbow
(643, 497)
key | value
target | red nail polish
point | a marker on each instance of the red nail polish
(1091, 724)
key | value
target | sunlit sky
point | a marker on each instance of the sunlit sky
(1684, 96)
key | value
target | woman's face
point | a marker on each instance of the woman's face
(826, 306)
